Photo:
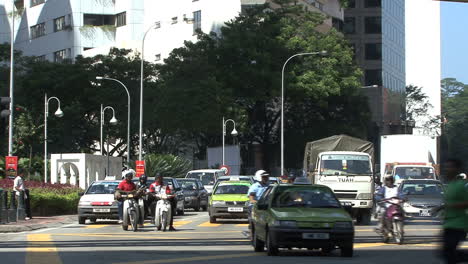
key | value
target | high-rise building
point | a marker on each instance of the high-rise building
(58, 29)
(376, 30)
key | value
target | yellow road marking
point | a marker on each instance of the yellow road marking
(41, 250)
(189, 259)
(95, 226)
(366, 245)
(242, 225)
(181, 223)
(208, 224)
(424, 221)
(126, 236)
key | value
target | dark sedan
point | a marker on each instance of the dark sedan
(422, 197)
(196, 196)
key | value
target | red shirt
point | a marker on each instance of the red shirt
(126, 186)
(153, 188)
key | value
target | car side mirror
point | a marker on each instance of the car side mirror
(262, 206)
(80, 193)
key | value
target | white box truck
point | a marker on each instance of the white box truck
(344, 164)
(408, 157)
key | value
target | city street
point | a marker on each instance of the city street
(198, 241)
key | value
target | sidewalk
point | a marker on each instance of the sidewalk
(38, 222)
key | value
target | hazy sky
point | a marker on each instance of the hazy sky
(454, 27)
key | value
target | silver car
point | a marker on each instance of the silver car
(422, 197)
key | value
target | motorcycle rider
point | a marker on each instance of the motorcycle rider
(125, 186)
(143, 185)
(389, 190)
(158, 187)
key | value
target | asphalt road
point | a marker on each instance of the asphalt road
(198, 241)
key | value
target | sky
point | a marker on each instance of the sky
(454, 40)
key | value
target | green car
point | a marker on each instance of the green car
(229, 200)
(301, 216)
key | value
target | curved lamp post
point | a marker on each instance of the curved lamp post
(233, 132)
(113, 121)
(323, 52)
(58, 113)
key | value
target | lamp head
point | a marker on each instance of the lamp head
(323, 53)
(99, 78)
(59, 113)
(113, 121)
(234, 132)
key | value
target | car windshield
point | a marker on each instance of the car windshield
(402, 173)
(207, 178)
(102, 188)
(305, 197)
(232, 189)
(188, 185)
(422, 189)
(345, 165)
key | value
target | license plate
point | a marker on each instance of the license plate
(315, 236)
(424, 213)
(235, 209)
(101, 210)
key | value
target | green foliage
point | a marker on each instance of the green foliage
(418, 108)
(49, 202)
(167, 165)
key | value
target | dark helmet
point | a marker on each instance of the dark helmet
(390, 179)
(143, 179)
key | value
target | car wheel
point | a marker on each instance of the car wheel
(272, 250)
(212, 219)
(347, 250)
(81, 220)
(258, 245)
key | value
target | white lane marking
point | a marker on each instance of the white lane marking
(51, 228)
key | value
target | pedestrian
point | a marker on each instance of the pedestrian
(19, 186)
(256, 191)
(456, 219)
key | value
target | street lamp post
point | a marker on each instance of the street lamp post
(58, 113)
(12, 64)
(128, 114)
(113, 121)
(323, 52)
(234, 132)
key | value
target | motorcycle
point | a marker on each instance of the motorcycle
(163, 212)
(132, 211)
(393, 217)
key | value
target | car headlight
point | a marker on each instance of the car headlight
(364, 196)
(285, 223)
(84, 203)
(219, 203)
(343, 225)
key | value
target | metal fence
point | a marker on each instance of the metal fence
(10, 209)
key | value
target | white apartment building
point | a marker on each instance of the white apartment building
(423, 54)
(59, 29)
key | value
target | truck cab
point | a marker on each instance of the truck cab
(410, 171)
(350, 176)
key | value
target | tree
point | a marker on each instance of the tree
(418, 109)
(237, 74)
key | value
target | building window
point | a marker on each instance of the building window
(98, 20)
(372, 3)
(59, 24)
(196, 21)
(373, 77)
(37, 2)
(121, 19)
(351, 4)
(349, 25)
(60, 55)
(373, 25)
(38, 30)
(174, 20)
(158, 57)
(373, 51)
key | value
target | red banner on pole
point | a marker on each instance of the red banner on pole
(11, 166)
(140, 168)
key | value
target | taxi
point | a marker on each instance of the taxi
(301, 216)
(229, 200)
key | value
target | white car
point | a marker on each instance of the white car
(208, 177)
(97, 202)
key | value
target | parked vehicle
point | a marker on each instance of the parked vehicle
(344, 164)
(97, 202)
(163, 212)
(229, 200)
(422, 197)
(408, 157)
(195, 194)
(208, 177)
(393, 219)
(301, 216)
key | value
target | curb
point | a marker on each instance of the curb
(30, 227)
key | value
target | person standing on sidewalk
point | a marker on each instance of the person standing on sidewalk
(456, 213)
(18, 186)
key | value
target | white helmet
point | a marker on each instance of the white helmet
(259, 174)
(129, 171)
